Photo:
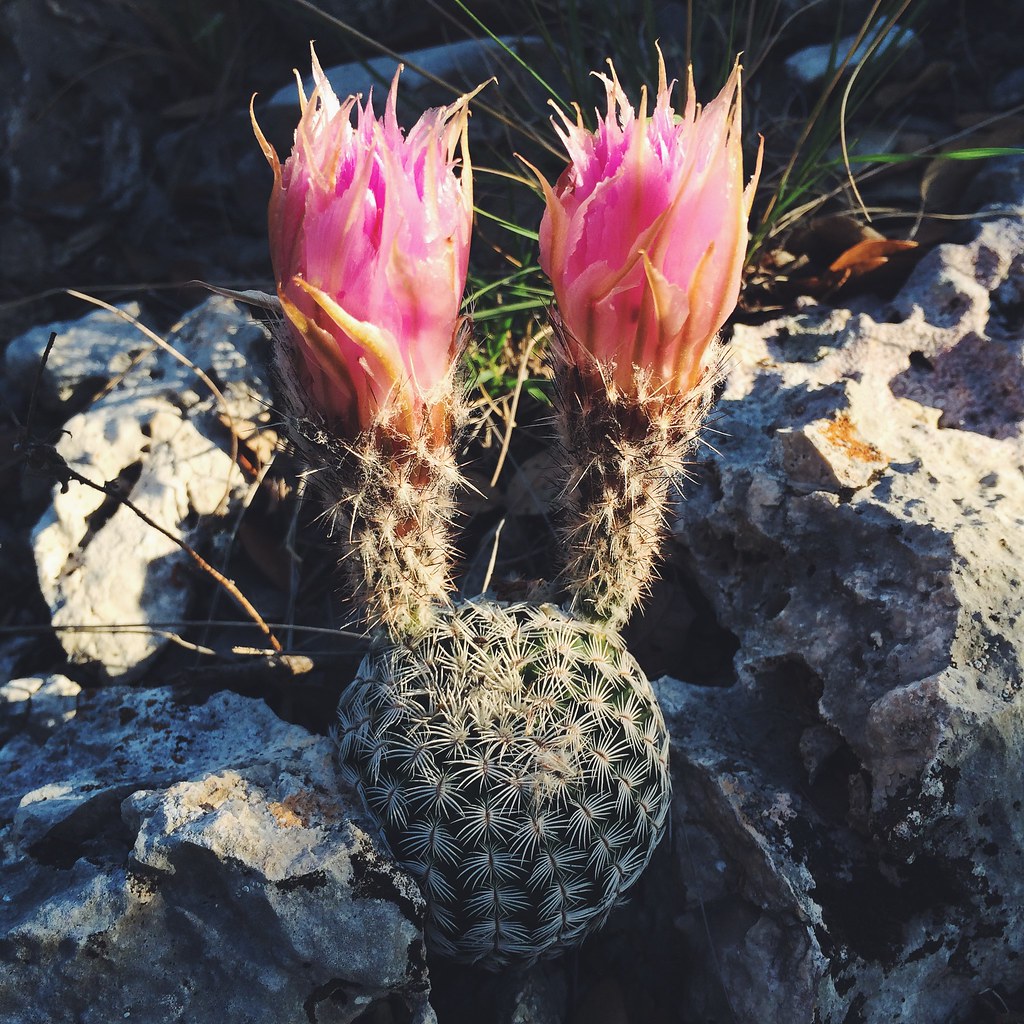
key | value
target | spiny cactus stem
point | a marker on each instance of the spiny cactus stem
(389, 503)
(517, 762)
(622, 455)
(398, 513)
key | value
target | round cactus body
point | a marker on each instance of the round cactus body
(517, 762)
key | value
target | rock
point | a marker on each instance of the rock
(39, 702)
(23, 249)
(171, 861)
(88, 353)
(800, 18)
(1008, 91)
(995, 186)
(30, 710)
(392, 20)
(71, 158)
(462, 65)
(157, 434)
(537, 996)
(851, 805)
(814, 63)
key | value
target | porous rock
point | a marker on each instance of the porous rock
(31, 708)
(40, 703)
(851, 806)
(159, 434)
(171, 860)
(87, 353)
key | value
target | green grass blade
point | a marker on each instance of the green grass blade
(976, 153)
(515, 229)
(512, 53)
(512, 307)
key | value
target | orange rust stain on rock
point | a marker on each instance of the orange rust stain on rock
(285, 816)
(303, 809)
(843, 434)
(296, 810)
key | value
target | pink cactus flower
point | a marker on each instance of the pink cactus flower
(644, 234)
(369, 237)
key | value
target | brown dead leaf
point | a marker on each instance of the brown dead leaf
(824, 239)
(865, 257)
(829, 254)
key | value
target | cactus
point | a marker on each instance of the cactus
(517, 761)
(514, 756)
(622, 452)
(388, 500)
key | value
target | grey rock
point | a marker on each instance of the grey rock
(852, 805)
(92, 144)
(170, 860)
(87, 354)
(536, 996)
(1009, 90)
(157, 432)
(23, 249)
(813, 63)
(432, 78)
(802, 17)
(391, 20)
(42, 702)
(998, 186)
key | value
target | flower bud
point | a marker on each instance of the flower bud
(645, 232)
(369, 237)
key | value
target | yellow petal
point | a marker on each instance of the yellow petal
(559, 218)
(321, 343)
(370, 339)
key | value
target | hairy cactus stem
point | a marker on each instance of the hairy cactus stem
(388, 500)
(397, 542)
(623, 454)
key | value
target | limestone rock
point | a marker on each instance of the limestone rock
(463, 64)
(30, 710)
(168, 860)
(853, 802)
(814, 63)
(86, 355)
(38, 702)
(157, 432)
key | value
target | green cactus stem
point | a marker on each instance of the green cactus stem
(517, 761)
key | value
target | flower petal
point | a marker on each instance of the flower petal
(644, 234)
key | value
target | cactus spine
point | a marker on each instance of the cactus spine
(388, 498)
(517, 761)
(622, 454)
